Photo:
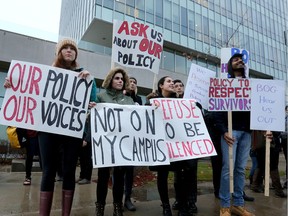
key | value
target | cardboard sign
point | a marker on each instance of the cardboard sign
(45, 98)
(229, 95)
(136, 45)
(186, 133)
(127, 135)
(267, 105)
(226, 54)
(197, 85)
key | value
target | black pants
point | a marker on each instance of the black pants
(32, 149)
(118, 184)
(85, 158)
(185, 183)
(49, 148)
(162, 184)
(129, 174)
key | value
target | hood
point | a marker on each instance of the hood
(108, 79)
(230, 69)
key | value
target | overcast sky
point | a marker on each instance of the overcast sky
(36, 18)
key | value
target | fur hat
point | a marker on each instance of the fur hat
(108, 79)
(65, 42)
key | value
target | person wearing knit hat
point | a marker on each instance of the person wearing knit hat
(66, 54)
(50, 144)
(114, 83)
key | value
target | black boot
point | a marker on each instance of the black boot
(100, 209)
(117, 209)
(247, 198)
(166, 209)
(192, 208)
(277, 185)
(184, 210)
(175, 205)
(128, 204)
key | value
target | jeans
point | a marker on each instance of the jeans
(241, 148)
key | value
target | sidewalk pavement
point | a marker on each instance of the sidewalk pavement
(16, 199)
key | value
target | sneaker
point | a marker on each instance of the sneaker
(84, 181)
(225, 212)
(79, 179)
(240, 211)
(27, 181)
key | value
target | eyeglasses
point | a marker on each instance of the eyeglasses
(118, 78)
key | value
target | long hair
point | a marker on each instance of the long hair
(161, 82)
(61, 63)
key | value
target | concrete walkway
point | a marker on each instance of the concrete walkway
(16, 199)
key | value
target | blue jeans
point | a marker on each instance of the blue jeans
(241, 148)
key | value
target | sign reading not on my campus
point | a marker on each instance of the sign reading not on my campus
(45, 98)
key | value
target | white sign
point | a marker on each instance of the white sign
(229, 95)
(198, 84)
(125, 135)
(136, 45)
(45, 98)
(268, 105)
(186, 133)
(226, 54)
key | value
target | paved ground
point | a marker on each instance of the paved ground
(16, 199)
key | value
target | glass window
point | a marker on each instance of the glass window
(159, 8)
(180, 63)
(99, 2)
(108, 4)
(130, 3)
(169, 60)
(120, 7)
(176, 13)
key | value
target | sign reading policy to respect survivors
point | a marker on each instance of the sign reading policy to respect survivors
(127, 135)
(229, 95)
(185, 130)
(45, 98)
(137, 45)
(267, 105)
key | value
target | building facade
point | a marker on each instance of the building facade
(194, 30)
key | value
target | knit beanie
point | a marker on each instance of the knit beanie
(65, 42)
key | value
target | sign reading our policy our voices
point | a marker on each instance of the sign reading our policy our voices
(45, 98)
(229, 94)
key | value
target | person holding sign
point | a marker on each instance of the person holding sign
(66, 55)
(115, 82)
(240, 143)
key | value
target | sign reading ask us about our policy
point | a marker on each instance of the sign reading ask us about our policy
(45, 98)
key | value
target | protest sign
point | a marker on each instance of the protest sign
(137, 45)
(267, 105)
(45, 98)
(197, 85)
(226, 54)
(229, 95)
(125, 135)
(186, 133)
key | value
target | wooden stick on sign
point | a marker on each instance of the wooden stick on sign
(231, 169)
(267, 164)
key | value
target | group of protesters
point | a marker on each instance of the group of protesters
(122, 89)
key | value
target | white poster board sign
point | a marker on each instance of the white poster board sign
(226, 54)
(45, 98)
(267, 105)
(197, 85)
(136, 45)
(125, 135)
(186, 133)
(229, 95)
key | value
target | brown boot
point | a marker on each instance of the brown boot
(67, 199)
(225, 212)
(240, 211)
(46, 198)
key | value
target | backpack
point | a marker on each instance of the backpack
(16, 137)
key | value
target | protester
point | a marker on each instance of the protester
(240, 143)
(129, 174)
(66, 55)
(257, 184)
(114, 83)
(85, 156)
(192, 173)
(283, 139)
